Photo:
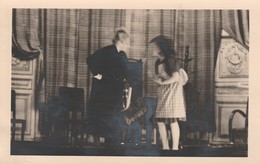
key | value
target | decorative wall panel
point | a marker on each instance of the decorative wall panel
(231, 86)
(234, 60)
(23, 84)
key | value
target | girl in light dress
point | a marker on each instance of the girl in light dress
(170, 79)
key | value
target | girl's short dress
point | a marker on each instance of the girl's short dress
(171, 102)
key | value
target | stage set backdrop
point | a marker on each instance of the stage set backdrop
(50, 47)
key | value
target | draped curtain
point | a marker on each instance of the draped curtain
(25, 40)
(236, 24)
(67, 37)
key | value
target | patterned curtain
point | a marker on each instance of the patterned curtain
(236, 24)
(202, 32)
(25, 39)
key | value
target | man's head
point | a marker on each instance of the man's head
(121, 39)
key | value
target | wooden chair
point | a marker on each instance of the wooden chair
(151, 104)
(56, 120)
(73, 99)
(238, 132)
(14, 120)
(134, 79)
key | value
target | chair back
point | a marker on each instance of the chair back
(134, 77)
(56, 109)
(13, 103)
(73, 98)
(246, 124)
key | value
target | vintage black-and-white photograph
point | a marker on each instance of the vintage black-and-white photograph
(130, 82)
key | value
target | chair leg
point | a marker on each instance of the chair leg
(13, 131)
(149, 132)
(23, 130)
(23, 124)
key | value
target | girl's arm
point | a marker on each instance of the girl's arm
(174, 78)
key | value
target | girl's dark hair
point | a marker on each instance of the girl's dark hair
(164, 45)
(170, 60)
(171, 65)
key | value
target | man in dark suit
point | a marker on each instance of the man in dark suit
(108, 66)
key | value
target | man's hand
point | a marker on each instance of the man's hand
(98, 76)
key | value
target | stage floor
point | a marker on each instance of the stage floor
(201, 150)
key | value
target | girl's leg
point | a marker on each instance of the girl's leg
(175, 131)
(163, 134)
